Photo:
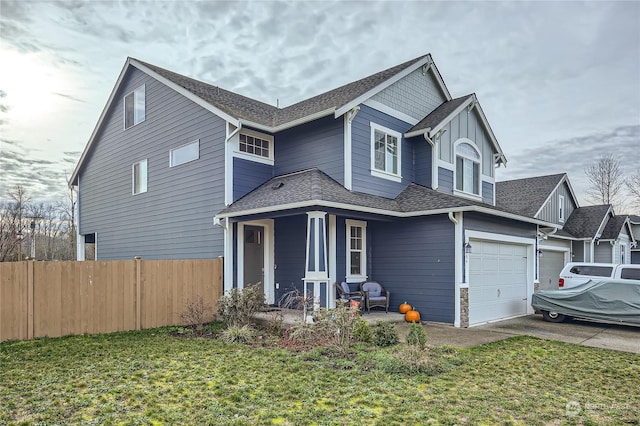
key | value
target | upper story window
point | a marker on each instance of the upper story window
(561, 208)
(134, 107)
(184, 154)
(385, 152)
(467, 169)
(255, 145)
(356, 250)
(139, 177)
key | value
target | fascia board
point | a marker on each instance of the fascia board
(439, 79)
(184, 92)
(550, 195)
(107, 107)
(388, 82)
(451, 115)
(417, 132)
(603, 223)
(494, 141)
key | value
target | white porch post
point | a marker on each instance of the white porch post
(316, 271)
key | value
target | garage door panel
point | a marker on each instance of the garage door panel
(551, 263)
(497, 281)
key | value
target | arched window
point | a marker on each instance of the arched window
(467, 168)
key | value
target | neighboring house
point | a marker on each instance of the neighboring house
(579, 234)
(386, 178)
(550, 198)
(634, 220)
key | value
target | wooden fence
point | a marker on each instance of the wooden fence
(54, 299)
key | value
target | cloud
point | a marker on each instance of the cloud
(73, 98)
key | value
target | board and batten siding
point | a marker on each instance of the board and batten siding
(248, 175)
(362, 180)
(174, 218)
(415, 95)
(315, 144)
(467, 125)
(414, 260)
(550, 211)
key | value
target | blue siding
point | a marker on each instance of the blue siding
(316, 144)
(361, 154)
(487, 192)
(290, 246)
(173, 219)
(422, 160)
(445, 180)
(247, 175)
(498, 225)
(414, 259)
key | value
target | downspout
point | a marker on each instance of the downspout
(228, 165)
(348, 118)
(459, 263)
(434, 160)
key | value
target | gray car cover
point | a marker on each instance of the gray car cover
(610, 300)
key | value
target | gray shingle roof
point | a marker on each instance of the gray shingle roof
(440, 113)
(526, 195)
(314, 185)
(613, 228)
(249, 109)
(585, 221)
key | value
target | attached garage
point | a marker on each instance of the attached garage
(499, 276)
(551, 263)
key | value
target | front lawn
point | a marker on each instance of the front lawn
(152, 377)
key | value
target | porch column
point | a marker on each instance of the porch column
(316, 279)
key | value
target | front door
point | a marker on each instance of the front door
(253, 254)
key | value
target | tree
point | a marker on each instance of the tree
(606, 180)
(633, 187)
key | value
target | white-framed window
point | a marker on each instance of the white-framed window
(561, 208)
(467, 170)
(139, 177)
(386, 150)
(184, 153)
(356, 250)
(253, 144)
(134, 107)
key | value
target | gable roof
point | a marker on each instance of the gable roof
(241, 110)
(312, 188)
(444, 113)
(528, 195)
(585, 222)
(615, 226)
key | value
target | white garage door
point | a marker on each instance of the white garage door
(551, 263)
(497, 281)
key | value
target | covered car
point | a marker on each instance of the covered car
(606, 300)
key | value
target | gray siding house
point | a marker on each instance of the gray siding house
(387, 178)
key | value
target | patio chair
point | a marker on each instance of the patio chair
(344, 293)
(375, 295)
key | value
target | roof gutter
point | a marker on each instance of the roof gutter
(289, 124)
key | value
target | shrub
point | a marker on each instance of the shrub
(417, 336)
(385, 334)
(195, 312)
(362, 331)
(330, 327)
(238, 334)
(239, 306)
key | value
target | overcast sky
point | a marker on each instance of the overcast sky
(558, 81)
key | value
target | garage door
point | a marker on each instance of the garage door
(497, 281)
(551, 263)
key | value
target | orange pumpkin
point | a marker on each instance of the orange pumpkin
(412, 316)
(405, 307)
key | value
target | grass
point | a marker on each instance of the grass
(153, 377)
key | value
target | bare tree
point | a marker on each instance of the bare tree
(633, 187)
(606, 180)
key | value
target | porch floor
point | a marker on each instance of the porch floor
(292, 316)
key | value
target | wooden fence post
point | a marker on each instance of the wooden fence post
(138, 295)
(30, 301)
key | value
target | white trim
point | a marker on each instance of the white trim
(253, 157)
(332, 259)
(348, 183)
(490, 236)
(228, 162)
(363, 257)
(269, 256)
(451, 116)
(290, 124)
(396, 177)
(561, 209)
(447, 166)
(146, 177)
(460, 192)
(228, 255)
(80, 248)
(379, 106)
(124, 106)
(171, 151)
(458, 264)
(95, 246)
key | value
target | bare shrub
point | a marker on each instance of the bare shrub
(195, 312)
(238, 306)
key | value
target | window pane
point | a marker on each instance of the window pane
(476, 178)
(468, 151)
(467, 176)
(379, 150)
(128, 111)
(140, 177)
(392, 154)
(185, 153)
(459, 173)
(139, 112)
(355, 263)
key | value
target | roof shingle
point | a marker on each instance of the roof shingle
(526, 196)
(585, 221)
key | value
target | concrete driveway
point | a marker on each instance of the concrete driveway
(586, 333)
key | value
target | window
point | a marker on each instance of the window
(467, 169)
(594, 271)
(630, 273)
(385, 152)
(561, 208)
(139, 177)
(134, 109)
(356, 250)
(184, 154)
(255, 146)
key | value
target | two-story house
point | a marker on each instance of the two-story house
(386, 178)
